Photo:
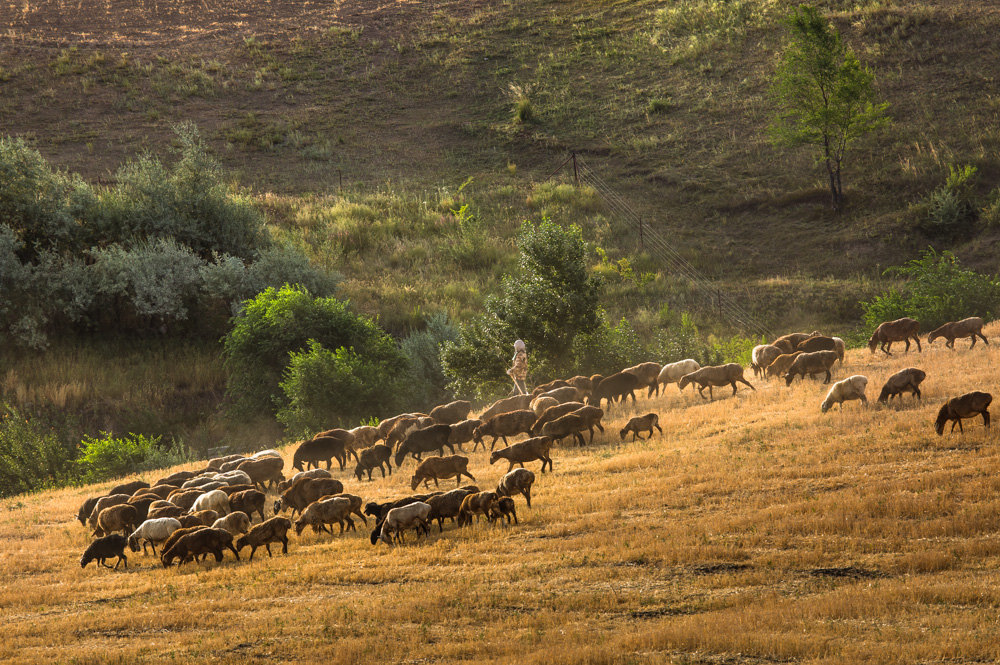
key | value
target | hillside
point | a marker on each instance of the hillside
(756, 530)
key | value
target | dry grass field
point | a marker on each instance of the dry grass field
(756, 530)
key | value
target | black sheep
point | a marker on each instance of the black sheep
(105, 548)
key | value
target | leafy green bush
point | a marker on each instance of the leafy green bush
(608, 349)
(952, 209)
(32, 456)
(109, 456)
(426, 382)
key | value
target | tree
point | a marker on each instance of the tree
(825, 95)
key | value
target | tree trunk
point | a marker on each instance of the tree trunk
(834, 174)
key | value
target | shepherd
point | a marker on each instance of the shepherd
(519, 369)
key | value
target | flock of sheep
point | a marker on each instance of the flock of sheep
(191, 514)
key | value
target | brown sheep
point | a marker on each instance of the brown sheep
(462, 432)
(176, 478)
(787, 343)
(86, 509)
(446, 506)
(249, 502)
(236, 523)
(504, 508)
(274, 530)
(231, 465)
(480, 503)
(968, 405)
(618, 387)
(365, 436)
(817, 362)
(305, 491)
(159, 491)
(129, 488)
(376, 457)
(539, 404)
(355, 505)
(515, 403)
(122, 517)
(564, 394)
(188, 520)
(554, 412)
(206, 517)
(640, 424)
(311, 473)
(451, 413)
(546, 387)
(205, 541)
(402, 429)
(583, 384)
(186, 498)
(971, 327)
(900, 330)
(347, 436)
(591, 416)
(817, 343)
(265, 472)
(761, 356)
(176, 535)
(428, 439)
(517, 481)
(647, 373)
(503, 425)
(439, 468)
(105, 502)
(781, 364)
(319, 514)
(563, 426)
(904, 381)
(385, 426)
(165, 511)
(718, 375)
(536, 448)
(230, 490)
(216, 462)
(105, 548)
(320, 449)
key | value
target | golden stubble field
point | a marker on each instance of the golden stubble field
(756, 530)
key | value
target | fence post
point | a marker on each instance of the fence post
(642, 243)
(576, 175)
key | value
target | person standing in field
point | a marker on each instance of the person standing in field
(519, 369)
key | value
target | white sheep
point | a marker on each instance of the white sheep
(364, 436)
(216, 500)
(236, 523)
(151, 532)
(673, 372)
(539, 404)
(198, 481)
(841, 348)
(234, 478)
(400, 519)
(266, 453)
(853, 387)
(762, 356)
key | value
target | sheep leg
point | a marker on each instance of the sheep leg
(528, 495)
(741, 380)
(267, 546)
(591, 434)
(362, 516)
(917, 339)
(350, 523)
(527, 492)
(985, 341)
(828, 376)
(710, 393)
(864, 400)
(284, 544)
(657, 427)
(253, 548)
(101, 561)
(986, 419)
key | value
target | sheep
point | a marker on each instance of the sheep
(971, 327)
(215, 500)
(141, 505)
(446, 506)
(376, 457)
(539, 404)
(234, 477)
(305, 491)
(564, 394)
(151, 532)
(198, 481)
(517, 481)
(904, 381)
(214, 485)
(311, 473)
(503, 425)
(563, 426)
(583, 384)
(365, 436)
(640, 424)
(762, 356)
(591, 416)
(717, 375)
(274, 530)
(965, 406)
(438, 468)
(86, 509)
(900, 330)
(399, 519)
(320, 513)
(515, 403)
(618, 386)
(380, 510)
(385, 426)
(402, 429)
(323, 449)
(270, 452)
(159, 491)
(787, 343)
(189, 520)
(503, 508)
(169, 510)
(204, 541)
(185, 498)
(249, 502)
(105, 548)
(230, 490)
(817, 343)
(346, 436)
(355, 500)
(216, 462)
(122, 517)
(781, 364)
(853, 387)
(105, 502)
(423, 441)
(841, 348)
(480, 503)
(451, 413)
(129, 488)
(236, 523)
(648, 374)
(265, 472)
(552, 413)
(232, 465)
(546, 387)
(462, 432)
(811, 363)
(178, 534)
(206, 517)
(536, 448)
(175, 478)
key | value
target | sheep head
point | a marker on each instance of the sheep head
(415, 481)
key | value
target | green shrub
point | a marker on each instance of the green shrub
(109, 456)
(32, 456)
(951, 210)
(426, 382)
(608, 349)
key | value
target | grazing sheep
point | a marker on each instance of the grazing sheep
(350, 447)
(186, 498)
(86, 509)
(305, 491)
(355, 500)
(968, 405)
(462, 432)
(539, 404)
(198, 481)
(971, 327)
(141, 505)
(552, 413)
(204, 541)
(717, 375)
(216, 500)
(564, 394)
(840, 348)
(216, 462)
(648, 374)
(439, 468)
(515, 403)
(480, 503)
(249, 502)
(853, 387)
(265, 472)
(591, 416)
(232, 465)
(152, 532)
(781, 364)
(234, 477)
(446, 506)
(640, 424)
(129, 488)
(170, 510)
(236, 523)
(380, 510)
(817, 362)
(318, 514)
(105, 502)
(376, 457)
(402, 429)
(423, 441)
(159, 491)
(365, 436)
(105, 548)
(546, 387)
(175, 478)
(900, 330)
(762, 356)
(230, 490)
(583, 384)
(176, 535)
(503, 425)
(385, 426)
(323, 449)
(206, 517)
(504, 508)
(617, 387)
(787, 343)
(451, 413)
(536, 448)
(122, 517)
(311, 473)
(274, 530)
(563, 426)
(817, 343)
(399, 519)
(904, 381)
(517, 481)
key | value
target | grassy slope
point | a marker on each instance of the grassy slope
(706, 545)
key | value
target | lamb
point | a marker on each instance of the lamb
(376, 457)
(480, 503)
(311, 473)
(446, 506)
(515, 403)
(813, 363)
(853, 387)
(122, 517)
(274, 530)
(967, 406)
(781, 364)
(817, 343)
(504, 508)
(105, 502)
(129, 488)
(762, 356)
(536, 448)
(105, 548)
(971, 327)
(552, 413)
(718, 375)
(564, 394)
(904, 381)
(462, 432)
(437, 468)
(249, 502)
(451, 413)
(591, 416)
(563, 426)
(323, 449)
(618, 386)
(517, 481)
(206, 517)
(265, 472)
(503, 425)
(640, 424)
(320, 513)
(305, 491)
(539, 404)
(423, 441)
(204, 541)
(236, 523)
(900, 330)
(365, 436)
(215, 500)
(151, 532)
(648, 374)
(399, 519)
